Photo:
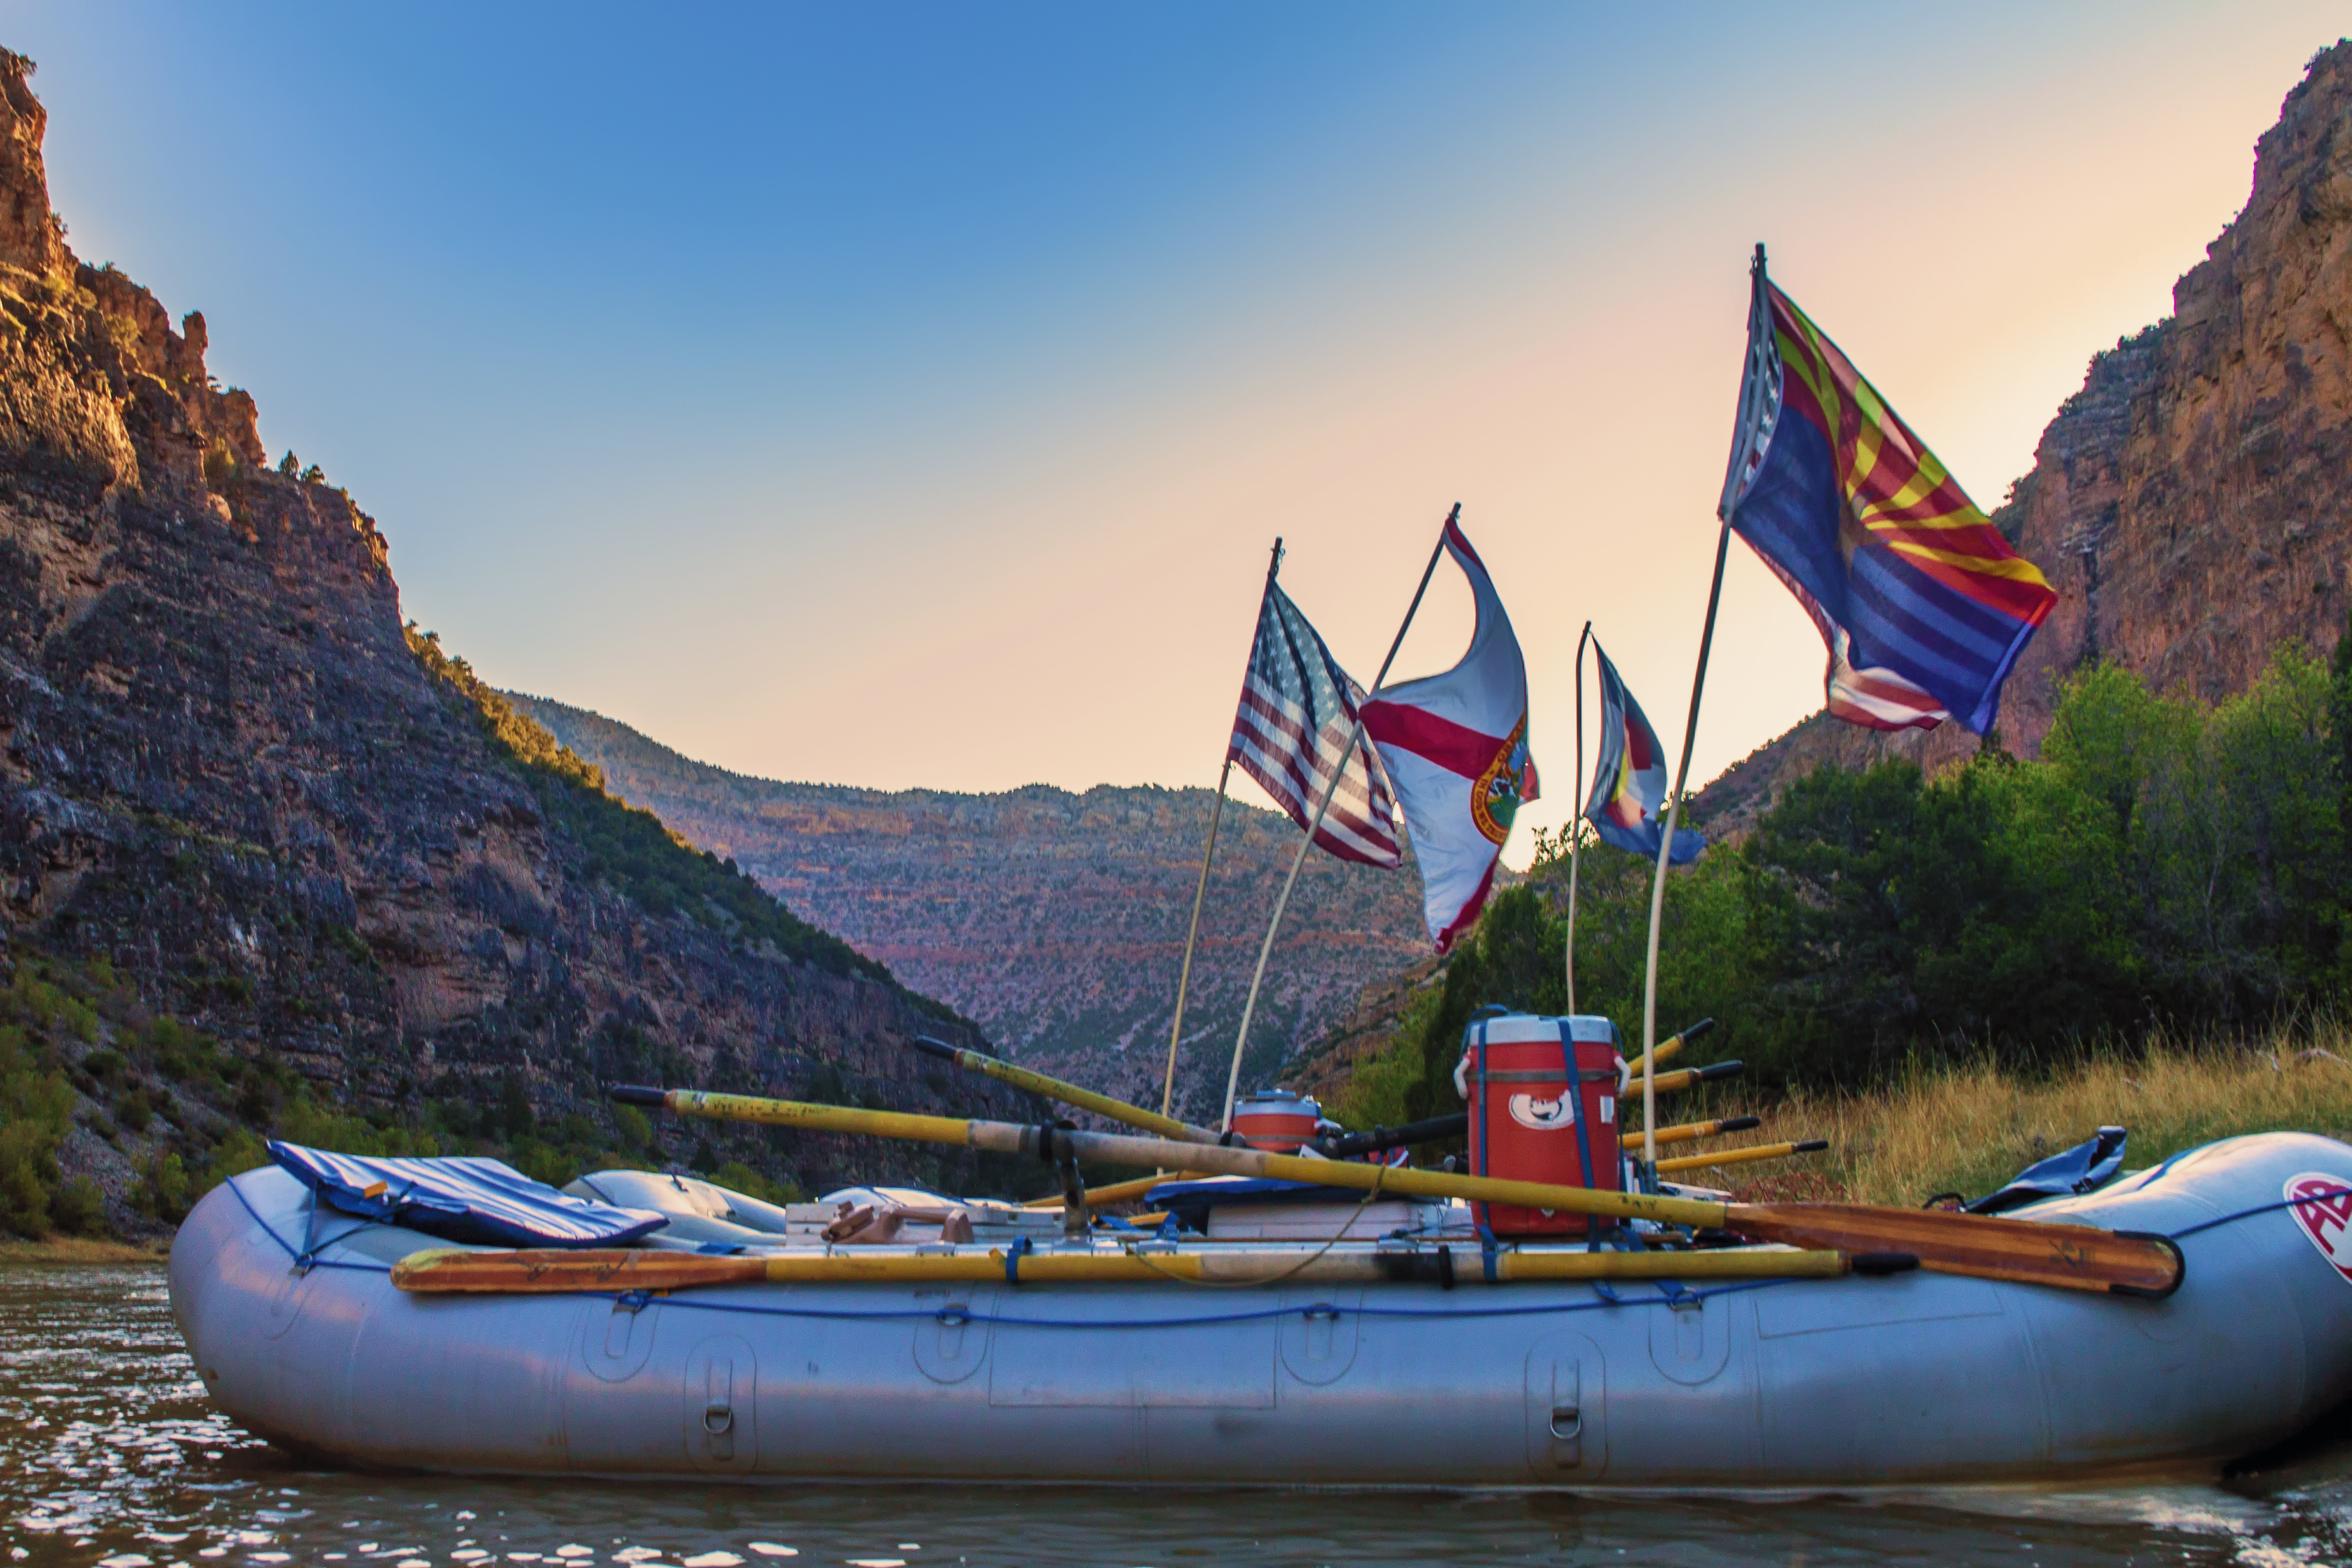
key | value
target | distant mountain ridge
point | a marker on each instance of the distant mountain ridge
(1055, 920)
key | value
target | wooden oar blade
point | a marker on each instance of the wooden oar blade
(456, 1271)
(2074, 1256)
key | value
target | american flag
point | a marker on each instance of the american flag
(1298, 708)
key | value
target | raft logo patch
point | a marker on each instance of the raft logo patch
(2326, 1219)
(1545, 1115)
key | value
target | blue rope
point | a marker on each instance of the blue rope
(302, 1259)
(2266, 1208)
(955, 1316)
(1670, 1293)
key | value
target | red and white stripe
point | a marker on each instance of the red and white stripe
(1271, 743)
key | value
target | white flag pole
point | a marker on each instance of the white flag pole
(1576, 817)
(1759, 322)
(1184, 977)
(1658, 883)
(1323, 806)
(1216, 813)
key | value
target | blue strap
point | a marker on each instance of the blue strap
(2266, 1208)
(1012, 1260)
(1480, 1153)
(285, 1247)
(1487, 1247)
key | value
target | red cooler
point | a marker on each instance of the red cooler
(1526, 1125)
(1276, 1119)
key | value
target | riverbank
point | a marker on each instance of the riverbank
(83, 1249)
(1969, 1128)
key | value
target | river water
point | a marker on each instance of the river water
(110, 1454)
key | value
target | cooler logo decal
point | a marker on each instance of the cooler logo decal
(1544, 1115)
(2326, 1219)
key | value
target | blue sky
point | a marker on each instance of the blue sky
(904, 394)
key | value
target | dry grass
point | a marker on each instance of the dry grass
(83, 1249)
(1970, 1129)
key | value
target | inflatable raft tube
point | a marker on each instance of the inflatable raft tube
(1919, 1378)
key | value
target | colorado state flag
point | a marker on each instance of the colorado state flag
(1629, 780)
(1923, 606)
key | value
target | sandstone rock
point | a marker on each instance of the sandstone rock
(1055, 919)
(223, 767)
(2192, 503)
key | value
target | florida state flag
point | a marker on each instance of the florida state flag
(1456, 749)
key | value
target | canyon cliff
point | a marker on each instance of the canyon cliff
(1055, 919)
(231, 776)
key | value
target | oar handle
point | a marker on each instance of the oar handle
(637, 1094)
(1349, 1144)
(1737, 1125)
(931, 1047)
(1720, 1070)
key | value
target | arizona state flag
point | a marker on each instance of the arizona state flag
(1456, 749)
(1923, 606)
(1629, 780)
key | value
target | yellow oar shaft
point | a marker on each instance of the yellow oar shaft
(1067, 1094)
(1113, 1148)
(2076, 1258)
(1648, 1061)
(1641, 1064)
(1117, 1192)
(460, 1271)
(1740, 1157)
(1685, 1132)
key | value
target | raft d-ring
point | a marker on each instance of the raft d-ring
(953, 1317)
(1320, 1309)
(717, 1418)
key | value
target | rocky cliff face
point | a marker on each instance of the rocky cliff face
(2192, 503)
(224, 769)
(1056, 920)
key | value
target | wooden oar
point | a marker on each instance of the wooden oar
(1067, 1094)
(1741, 1156)
(457, 1271)
(1688, 1131)
(2075, 1257)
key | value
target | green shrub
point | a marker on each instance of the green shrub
(2167, 866)
(79, 1208)
(28, 1175)
(163, 1190)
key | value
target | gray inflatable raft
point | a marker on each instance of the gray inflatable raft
(1917, 1378)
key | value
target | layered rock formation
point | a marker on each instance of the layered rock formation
(2192, 503)
(1056, 920)
(224, 768)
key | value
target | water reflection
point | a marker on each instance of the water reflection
(110, 1454)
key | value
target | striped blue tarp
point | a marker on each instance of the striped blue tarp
(462, 1199)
